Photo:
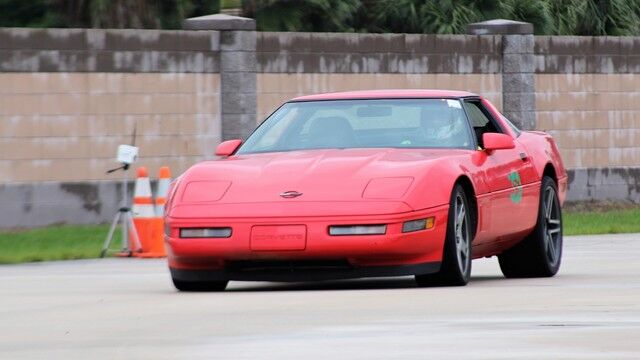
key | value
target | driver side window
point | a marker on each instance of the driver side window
(480, 120)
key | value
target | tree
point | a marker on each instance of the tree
(150, 14)
(598, 17)
(561, 17)
(302, 15)
(549, 17)
(453, 16)
(34, 13)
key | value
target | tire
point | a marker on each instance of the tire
(540, 253)
(200, 286)
(456, 257)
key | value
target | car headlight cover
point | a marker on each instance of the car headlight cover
(338, 230)
(205, 191)
(389, 188)
(219, 232)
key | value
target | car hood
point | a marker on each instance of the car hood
(317, 175)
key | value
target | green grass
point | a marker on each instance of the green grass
(54, 243)
(85, 242)
(584, 222)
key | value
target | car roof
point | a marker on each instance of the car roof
(387, 94)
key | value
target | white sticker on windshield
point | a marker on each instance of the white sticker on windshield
(454, 104)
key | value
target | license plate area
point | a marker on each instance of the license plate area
(278, 237)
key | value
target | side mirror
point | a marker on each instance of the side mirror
(228, 147)
(496, 141)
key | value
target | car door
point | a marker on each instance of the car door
(510, 177)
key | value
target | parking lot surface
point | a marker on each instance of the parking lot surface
(128, 309)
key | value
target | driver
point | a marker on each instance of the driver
(443, 125)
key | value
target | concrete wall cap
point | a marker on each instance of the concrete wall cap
(219, 22)
(499, 27)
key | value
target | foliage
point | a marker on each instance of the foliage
(230, 4)
(559, 17)
(16, 13)
(307, 15)
(562, 17)
(167, 14)
(611, 17)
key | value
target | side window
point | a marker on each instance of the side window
(511, 125)
(480, 120)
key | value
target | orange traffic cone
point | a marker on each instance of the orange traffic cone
(142, 209)
(142, 201)
(153, 246)
(163, 190)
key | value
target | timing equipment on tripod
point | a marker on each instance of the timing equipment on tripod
(127, 155)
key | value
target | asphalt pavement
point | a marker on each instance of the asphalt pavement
(128, 309)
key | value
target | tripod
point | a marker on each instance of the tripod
(123, 216)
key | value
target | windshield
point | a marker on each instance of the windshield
(343, 124)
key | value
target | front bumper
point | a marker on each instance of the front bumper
(299, 271)
(394, 253)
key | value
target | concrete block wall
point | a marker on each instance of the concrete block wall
(67, 126)
(69, 97)
(293, 64)
(587, 92)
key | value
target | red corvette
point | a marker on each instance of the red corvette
(370, 183)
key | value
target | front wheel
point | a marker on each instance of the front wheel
(456, 259)
(540, 253)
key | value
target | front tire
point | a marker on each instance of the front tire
(456, 258)
(540, 253)
(199, 286)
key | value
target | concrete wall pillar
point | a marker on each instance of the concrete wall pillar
(518, 81)
(238, 89)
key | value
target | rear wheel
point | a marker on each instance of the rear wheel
(540, 253)
(199, 285)
(456, 259)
